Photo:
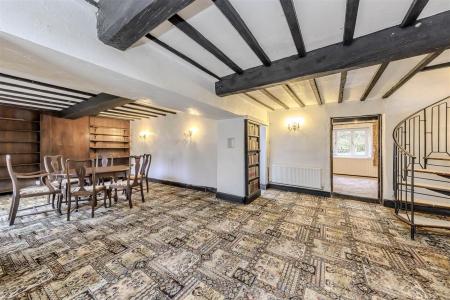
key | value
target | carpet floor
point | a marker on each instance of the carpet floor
(185, 244)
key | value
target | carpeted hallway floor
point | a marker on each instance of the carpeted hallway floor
(184, 244)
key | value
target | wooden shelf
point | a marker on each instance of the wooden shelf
(109, 134)
(110, 147)
(255, 136)
(251, 179)
(253, 165)
(109, 141)
(19, 130)
(117, 128)
(20, 142)
(21, 153)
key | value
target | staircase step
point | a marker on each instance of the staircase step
(427, 222)
(428, 171)
(438, 158)
(445, 189)
(441, 203)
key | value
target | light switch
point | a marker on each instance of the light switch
(230, 142)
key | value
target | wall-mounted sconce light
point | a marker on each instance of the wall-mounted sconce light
(189, 133)
(295, 124)
(144, 135)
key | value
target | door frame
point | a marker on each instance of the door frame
(377, 117)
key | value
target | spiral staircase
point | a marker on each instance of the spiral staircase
(422, 167)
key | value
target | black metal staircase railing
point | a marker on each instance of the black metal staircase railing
(420, 138)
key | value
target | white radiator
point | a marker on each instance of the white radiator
(296, 176)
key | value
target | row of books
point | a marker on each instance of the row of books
(253, 186)
(253, 143)
(253, 158)
(253, 172)
(253, 129)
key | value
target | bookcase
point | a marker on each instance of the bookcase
(109, 136)
(20, 137)
(252, 160)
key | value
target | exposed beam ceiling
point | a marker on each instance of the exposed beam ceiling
(27, 99)
(351, 12)
(429, 58)
(181, 55)
(390, 44)
(235, 19)
(122, 23)
(39, 96)
(294, 26)
(315, 89)
(136, 104)
(435, 67)
(142, 113)
(38, 104)
(413, 12)
(274, 99)
(93, 106)
(130, 114)
(342, 86)
(142, 110)
(195, 35)
(293, 95)
(259, 102)
(41, 90)
(113, 115)
(374, 80)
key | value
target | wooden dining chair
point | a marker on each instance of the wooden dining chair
(147, 169)
(81, 189)
(104, 160)
(20, 191)
(54, 164)
(131, 182)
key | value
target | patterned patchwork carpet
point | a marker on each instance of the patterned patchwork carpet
(184, 244)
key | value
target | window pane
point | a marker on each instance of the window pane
(343, 142)
(360, 139)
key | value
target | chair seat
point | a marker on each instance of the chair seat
(88, 188)
(119, 184)
(64, 182)
(32, 191)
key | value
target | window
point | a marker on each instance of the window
(352, 142)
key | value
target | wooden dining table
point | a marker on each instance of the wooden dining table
(108, 171)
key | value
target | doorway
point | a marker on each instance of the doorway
(356, 157)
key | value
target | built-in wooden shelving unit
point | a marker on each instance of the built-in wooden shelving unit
(109, 136)
(20, 137)
(252, 160)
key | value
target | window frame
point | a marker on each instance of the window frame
(353, 155)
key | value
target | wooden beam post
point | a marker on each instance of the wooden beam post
(294, 26)
(316, 91)
(390, 44)
(374, 80)
(413, 12)
(293, 95)
(351, 12)
(342, 86)
(122, 23)
(274, 99)
(259, 102)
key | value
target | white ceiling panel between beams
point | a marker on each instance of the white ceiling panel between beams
(435, 7)
(212, 24)
(266, 20)
(321, 22)
(375, 15)
(279, 92)
(263, 98)
(329, 87)
(304, 91)
(176, 39)
(357, 82)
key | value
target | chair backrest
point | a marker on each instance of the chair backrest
(104, 160)
(79, 169)
(12, 174)
(53, 164)
(149, 162)
(143, 165)
(135, 168)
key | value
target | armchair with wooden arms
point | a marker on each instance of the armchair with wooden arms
(20, 191)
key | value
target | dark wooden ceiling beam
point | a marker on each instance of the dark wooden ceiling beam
(122, 23)
(374, 80)
(93, 106)
(28, 103)
(273, 98)
(60, 104)
(436, 67)
(121, 112)
(293, 95)
(417, 68)
(315, 89)
(351, 13)
(46, 84)
(294, 26)
(181, 55)
(112, 115)
(124, 109)
(142, 110)
(235, 19)
(151, 107)
(258, 101)
(342, 86)
(196, 36)
(41, 90)
(390, 44)
(38, 96)
(413, 12)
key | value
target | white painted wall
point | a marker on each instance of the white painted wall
(230, 161)
(311, 146)
(175, 157)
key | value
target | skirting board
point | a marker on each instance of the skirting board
(185, 185)
(420, 208)
(290, 188)
(237, 199)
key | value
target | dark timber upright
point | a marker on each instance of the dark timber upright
(252, 161)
